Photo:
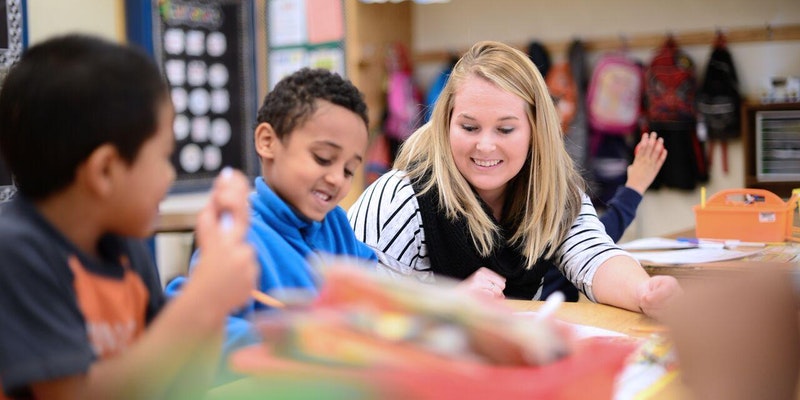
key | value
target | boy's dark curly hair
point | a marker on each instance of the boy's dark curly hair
(293, 100)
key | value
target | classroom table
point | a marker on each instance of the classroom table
(176, 222)
(787, 256)
(598, 315)
(582, 312)
(630, 323)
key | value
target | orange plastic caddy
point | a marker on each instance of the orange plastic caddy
(746, 214)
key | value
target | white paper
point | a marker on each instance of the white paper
(655, 243)
(287, 22)
(580, 331)
(690, 256)
(285, 62)
(331, 59)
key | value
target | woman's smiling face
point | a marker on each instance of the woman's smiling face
(490, 136)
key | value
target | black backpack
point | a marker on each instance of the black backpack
(718, 100)
(540, 56)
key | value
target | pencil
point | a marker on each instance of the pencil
(266, 299)
(702, 197)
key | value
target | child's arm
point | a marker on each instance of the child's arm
(190, 326)
(621, 209)
(650, 155)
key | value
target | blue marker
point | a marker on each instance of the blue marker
(688, 240)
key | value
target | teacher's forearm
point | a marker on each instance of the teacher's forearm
(616, 281)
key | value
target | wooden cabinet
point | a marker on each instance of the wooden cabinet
(371, 28)
(771, 142)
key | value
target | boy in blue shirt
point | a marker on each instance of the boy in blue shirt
(86, 131)
(311, 138)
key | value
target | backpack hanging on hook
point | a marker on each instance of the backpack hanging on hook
(670, 95)
(719, 101)
(404, 108)
(538, 53)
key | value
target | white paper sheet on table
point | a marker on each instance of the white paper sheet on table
(691, 256)
(656, 243)
(580, 331)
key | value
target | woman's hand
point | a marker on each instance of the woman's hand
(484, 282)
(655, 294)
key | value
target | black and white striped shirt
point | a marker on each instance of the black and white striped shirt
(387, 218)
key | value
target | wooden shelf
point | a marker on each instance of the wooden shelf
(749, 110)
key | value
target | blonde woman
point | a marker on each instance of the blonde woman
(486, 193)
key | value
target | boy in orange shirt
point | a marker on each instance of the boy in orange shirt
(86, 130)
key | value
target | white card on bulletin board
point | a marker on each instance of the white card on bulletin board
(287, 23)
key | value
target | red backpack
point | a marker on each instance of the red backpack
(670, 95)
(671, 85)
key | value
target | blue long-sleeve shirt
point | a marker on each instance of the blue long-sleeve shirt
(620, 211)
(286, 244)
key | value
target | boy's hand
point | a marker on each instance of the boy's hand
(649, 156)
(226, 271)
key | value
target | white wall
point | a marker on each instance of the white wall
(456, 25)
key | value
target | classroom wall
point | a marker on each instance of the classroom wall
(454, 26)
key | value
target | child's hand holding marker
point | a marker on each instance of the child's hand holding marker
(226, 219)
(226, 223)
(227, 266)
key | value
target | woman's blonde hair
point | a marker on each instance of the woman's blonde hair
(544, 199)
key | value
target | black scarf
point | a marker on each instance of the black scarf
(452, 252)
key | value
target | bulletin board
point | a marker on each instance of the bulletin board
(206, 51)
(13, 31)
(304, 33)
(13, 40)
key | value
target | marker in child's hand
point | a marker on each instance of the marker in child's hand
(550, 306)
(226, 218)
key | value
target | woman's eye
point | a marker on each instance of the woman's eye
(469, 128)
(505, 130)
(322, 161)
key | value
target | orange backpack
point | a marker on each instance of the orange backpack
(564, 92)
